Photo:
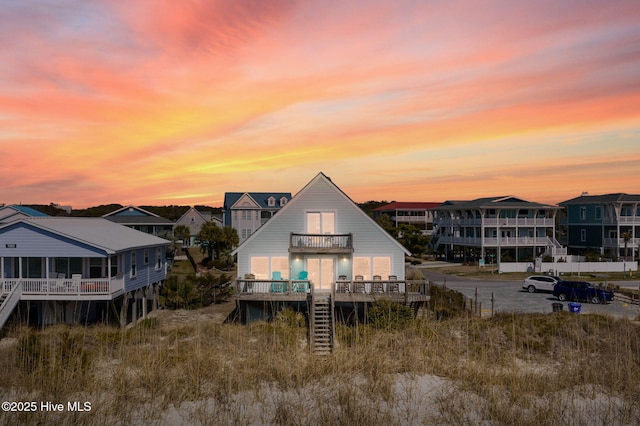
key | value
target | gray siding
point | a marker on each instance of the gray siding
(369, 239)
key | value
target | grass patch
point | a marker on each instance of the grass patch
(524, 369)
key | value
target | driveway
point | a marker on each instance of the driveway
(508, 296)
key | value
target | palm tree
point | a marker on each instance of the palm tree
(626, 236)
(182, 232)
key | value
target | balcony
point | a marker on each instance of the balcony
(321, 243)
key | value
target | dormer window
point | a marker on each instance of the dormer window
(283, 201)
(271, 202)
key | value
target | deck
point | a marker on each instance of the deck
(64, 288)
(342, 290)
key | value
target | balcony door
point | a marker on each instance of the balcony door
(321, 272)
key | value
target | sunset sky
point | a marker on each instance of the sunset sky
(151, 102)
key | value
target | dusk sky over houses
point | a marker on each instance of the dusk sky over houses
(153, 103)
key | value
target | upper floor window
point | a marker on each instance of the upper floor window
(271, 202)
(146, 256)
(133, 264)
(583, 235)
(583, 213)
(158, 258)
(598, 212)
(321, 222)
(626, 211)
(283, 201)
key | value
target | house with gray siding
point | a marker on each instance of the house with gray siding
(194, 219)
(496, 229)
(61, 269)
(321, 252)
(247, 211)
(608, 224)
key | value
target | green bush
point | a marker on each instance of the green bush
(388, 315)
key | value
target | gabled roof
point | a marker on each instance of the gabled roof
(131, 211)
(403, 205)
(29, 211)
(194, 211)
(96, 232)
(603, 199)
(322, 176)
(260, 198)
(509, 202)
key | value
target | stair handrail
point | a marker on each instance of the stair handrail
(11, 301)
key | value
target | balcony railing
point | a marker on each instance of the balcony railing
(64, 286)
(321, 243)
(491, 242)
(494, 222)
(619, 242)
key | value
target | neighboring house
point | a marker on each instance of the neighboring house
(601, 222)
(247, 211)
(194, 219)
(417, 214)
(17, 212)
(320, 254)
(505, 228)
(74, 269)
(141, 220)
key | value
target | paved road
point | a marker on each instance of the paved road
(508, 296)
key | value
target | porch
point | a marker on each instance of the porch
(341, 290)
(74, 288)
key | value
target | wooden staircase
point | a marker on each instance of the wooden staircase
(9, 302)
(321, 324)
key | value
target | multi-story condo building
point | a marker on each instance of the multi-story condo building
(496, 229)
(247, 211)
(609, 224)
(416, 214)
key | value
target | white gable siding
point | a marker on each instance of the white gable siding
(368, 238)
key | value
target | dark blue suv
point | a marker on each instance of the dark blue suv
(580, 290)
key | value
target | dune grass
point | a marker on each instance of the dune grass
(511, 369)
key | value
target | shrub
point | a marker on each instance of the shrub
(389, 315)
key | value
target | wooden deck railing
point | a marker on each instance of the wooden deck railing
(319, 243)
(63, 286)
(355, 287)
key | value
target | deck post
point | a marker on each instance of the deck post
(124, 310)
(144, 302)
(134, 308)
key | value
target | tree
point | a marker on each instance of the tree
(213, 239)
(182, 232)
(626, 236)
(209, 233)
(385, 222)
(413, 239)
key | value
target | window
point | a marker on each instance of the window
(280, 264)
(146, 256)
(583, 235)
(583, 213)
(271, 202)
(246, 233)
(382, 266)
(598, 212)
(133, 264)
(362, 266)
(283, 201)
(158, 258)
(95, 267)
(114, 265)
(320, 222)
(260, 267)
(246, 214)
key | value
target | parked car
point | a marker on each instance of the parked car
(540, 283)
(580, 290)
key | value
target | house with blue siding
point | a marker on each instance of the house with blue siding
(61, 269)
(608, 224)
(321, 251)
(141, 220)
